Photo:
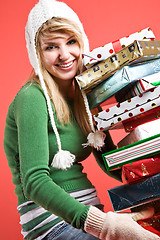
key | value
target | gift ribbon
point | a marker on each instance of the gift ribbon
(116, 45)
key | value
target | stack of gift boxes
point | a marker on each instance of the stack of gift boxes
(129, 70)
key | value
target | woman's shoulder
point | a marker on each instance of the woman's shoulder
(30, 96)
(30, 89)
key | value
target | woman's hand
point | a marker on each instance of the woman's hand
(118, 226)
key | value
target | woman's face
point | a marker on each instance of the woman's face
(60, 56)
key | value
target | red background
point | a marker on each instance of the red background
(104, 21)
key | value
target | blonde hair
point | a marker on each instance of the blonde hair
(48, 30)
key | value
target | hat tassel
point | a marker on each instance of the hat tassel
(63, 160)
(95, 139)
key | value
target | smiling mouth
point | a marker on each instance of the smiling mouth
(65, 65)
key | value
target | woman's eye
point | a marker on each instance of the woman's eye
(72, 41)
(50, 47)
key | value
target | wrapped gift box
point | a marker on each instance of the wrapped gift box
(109, 118)
(130, 195)
(138, 51)
(145, 148)
(120, 79)
(139, 170)
(102, 53)
(133, 89)
(132, 123)
(141, 132)
(138, 87)
(151, 224)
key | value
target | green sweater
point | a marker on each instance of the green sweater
(30, 144)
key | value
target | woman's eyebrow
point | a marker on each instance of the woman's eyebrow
(71, 37)
(51, 41)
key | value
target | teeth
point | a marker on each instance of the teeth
(66, 65)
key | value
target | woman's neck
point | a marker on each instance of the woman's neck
(67, 89)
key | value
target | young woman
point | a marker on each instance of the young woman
(47, 126)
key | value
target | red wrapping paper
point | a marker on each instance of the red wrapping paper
(136, 121)
(151, 224)
(141, 169)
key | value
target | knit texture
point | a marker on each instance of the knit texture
(40, 13)
(113, 226)
(94, 222)
(30, 145)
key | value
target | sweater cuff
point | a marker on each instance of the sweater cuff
(94, 221)
(83, 217)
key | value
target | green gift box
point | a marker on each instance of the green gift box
(142, 149)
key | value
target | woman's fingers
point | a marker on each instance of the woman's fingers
(146, 213)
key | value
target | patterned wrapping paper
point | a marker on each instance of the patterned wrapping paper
(145, 148)
(102, 53)
(141, 132)
(130, 195)
(138, 87)
(138, 51)
(132, 123)
(151, 224)
(111, 117)
(139, 170)
(120, 79)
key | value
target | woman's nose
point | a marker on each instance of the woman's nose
(63, 53)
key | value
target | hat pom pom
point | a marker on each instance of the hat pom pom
(63, 160)
(96, 140)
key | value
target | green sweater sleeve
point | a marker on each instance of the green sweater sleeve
(31, 117)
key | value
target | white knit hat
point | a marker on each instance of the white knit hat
(40, 13)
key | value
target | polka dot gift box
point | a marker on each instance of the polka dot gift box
(111, 117)
(102, 53)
